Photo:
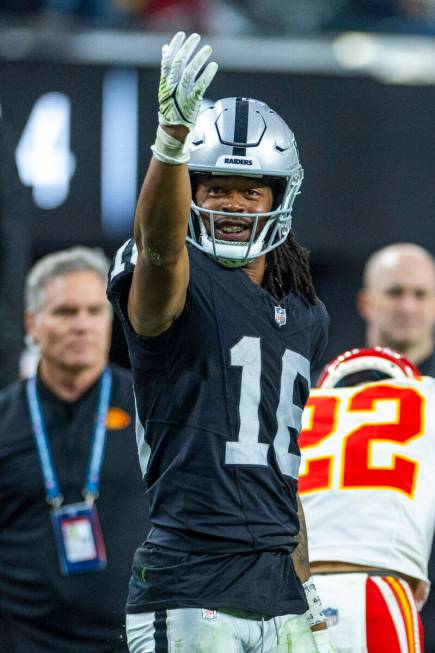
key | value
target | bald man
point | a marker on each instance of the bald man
(397, 302)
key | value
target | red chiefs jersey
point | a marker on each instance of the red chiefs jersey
(367, 478)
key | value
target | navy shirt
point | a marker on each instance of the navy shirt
(42, 611)
(219, 398)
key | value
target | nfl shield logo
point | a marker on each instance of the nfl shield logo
(280, 316)
(331, 615)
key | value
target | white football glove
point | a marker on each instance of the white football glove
(180, 93)
(180, 90)
(323, 641)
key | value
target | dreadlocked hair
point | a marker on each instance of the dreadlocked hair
(288, 270)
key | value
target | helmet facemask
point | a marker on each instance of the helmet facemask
(268, 151)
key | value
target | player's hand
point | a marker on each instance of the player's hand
(323, 642)
(421, 594)
(181, 89)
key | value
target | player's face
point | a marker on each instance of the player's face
(233, 194)
(401, 305)
(73, 325)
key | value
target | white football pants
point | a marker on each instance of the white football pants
(198, 630)
(370, 613)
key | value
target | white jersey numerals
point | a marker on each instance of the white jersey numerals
(119, 262)
(247, 450)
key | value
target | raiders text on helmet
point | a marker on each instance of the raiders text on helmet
(242, 136)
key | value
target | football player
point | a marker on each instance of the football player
(368, 491)
(222, 323)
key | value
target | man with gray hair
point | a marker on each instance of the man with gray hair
(71, 497)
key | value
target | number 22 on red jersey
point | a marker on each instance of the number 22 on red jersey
(380, 418)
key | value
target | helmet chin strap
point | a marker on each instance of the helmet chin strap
(231, 263)
(217, 252)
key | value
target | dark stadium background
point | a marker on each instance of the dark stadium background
(367, 146)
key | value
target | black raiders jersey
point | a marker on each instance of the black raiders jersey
(219, 399)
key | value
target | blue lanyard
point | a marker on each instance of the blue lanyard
(91, 489)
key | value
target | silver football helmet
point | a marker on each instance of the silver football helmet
(242, 136)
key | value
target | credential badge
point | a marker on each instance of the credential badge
(280, 316)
